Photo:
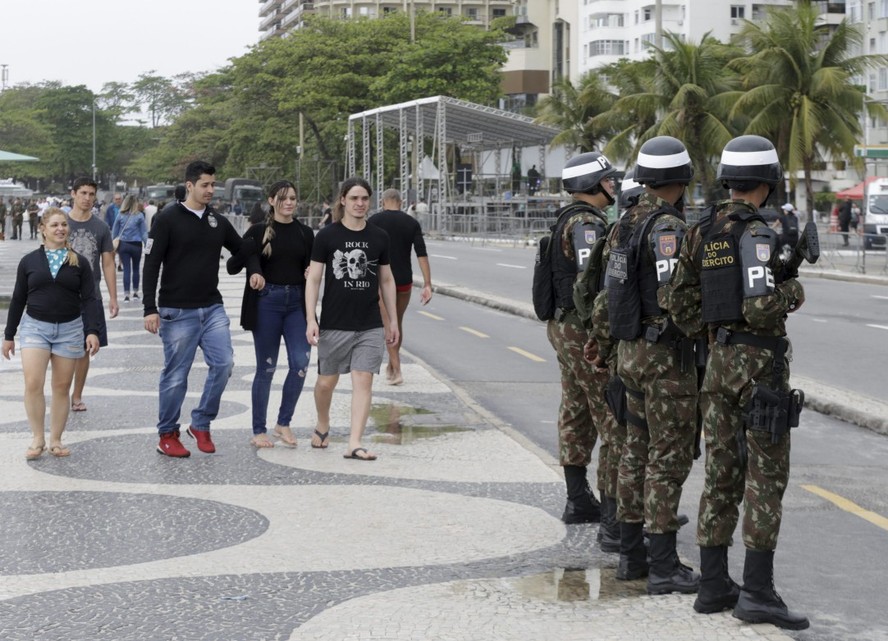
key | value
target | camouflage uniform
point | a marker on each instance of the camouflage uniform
(613, 435)
(582, 410)
(732, 371)
(655, 461)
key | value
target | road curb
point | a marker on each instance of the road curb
(844, 405)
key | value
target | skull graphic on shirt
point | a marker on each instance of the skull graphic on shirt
(354, 263)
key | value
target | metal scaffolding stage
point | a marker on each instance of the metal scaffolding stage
(483, 132)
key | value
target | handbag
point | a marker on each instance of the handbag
(115, 242)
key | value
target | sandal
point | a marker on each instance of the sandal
(59, 451)
(285, 437)
(79, 406)
(34, 453)
(321, 440)
(261, 441)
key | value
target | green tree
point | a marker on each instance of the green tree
(572, 110)
(678, 96)
(799, 87)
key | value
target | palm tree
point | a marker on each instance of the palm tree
(677, 95)
(572, 109)
(799, 87)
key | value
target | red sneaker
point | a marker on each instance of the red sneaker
(170, 445)
(204, 442)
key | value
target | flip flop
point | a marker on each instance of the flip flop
(79, 406)
(354, 455)
(261, 443)
(287, 440)
(59, 451)
(322, 438)
(34, 453)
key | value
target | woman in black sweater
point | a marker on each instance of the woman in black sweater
(278, 310)
(51, 286)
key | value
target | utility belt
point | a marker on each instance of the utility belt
(670, 336)
(770, 409)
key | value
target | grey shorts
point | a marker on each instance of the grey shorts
(341, 351)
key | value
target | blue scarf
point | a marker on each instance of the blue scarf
(56, 258)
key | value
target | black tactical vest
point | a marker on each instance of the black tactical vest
(631, 280)
(721, 270)
(565, 270)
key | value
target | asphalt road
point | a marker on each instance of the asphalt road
(830, 562)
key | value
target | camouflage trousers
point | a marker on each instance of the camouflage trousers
(582, 406)
(610, 449)
(727, 388)
(656, 461)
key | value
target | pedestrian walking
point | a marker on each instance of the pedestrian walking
(131, 233)
(91, 238)
(731, 286)
(53, 284)
(277, 311)
(655, 362)
(352, 258)
(405, 235)
(186, 242)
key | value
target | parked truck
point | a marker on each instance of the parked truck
(241, 194)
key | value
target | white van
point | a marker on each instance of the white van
(876, 221)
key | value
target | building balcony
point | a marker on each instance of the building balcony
(265, 23)
(268, 6)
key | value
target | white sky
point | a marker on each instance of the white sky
(91, 42)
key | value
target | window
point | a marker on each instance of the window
(648, 14)
(472, 13)
(606, 48)
(447, 11)
(872, 48)
(738, 11)
(499, 13)
(636, 16)
(883, 8)
(871, 10)
(883, 79)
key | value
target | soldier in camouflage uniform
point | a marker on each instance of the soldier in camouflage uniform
(589, 179)
(655, 362)
(730, 283)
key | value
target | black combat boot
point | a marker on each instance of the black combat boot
(717, 590)
(633, 554)
(582, 506)
(609, 530)
(759, 601)
(667, 573)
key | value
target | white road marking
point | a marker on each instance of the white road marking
(819, 320)
(443, 256)
(879, 297)
(429, 315)
(877, 326)
(525, 354)
(474, 332)
(511, 266)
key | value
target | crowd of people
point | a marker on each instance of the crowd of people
(685, 340)
(285, 263)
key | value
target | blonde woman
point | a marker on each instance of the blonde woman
(52, 284)
(132, 231)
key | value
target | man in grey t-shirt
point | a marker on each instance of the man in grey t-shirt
(91, 237)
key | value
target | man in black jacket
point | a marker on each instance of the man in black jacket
(187, 240)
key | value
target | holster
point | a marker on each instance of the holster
(615, 397)
(670, 335)
(773, 411)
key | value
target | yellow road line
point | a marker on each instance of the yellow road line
(474, 332)
(532, 357)
(849, 506)
(432, 316)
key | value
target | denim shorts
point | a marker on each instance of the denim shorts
(341, 351)
(62, 339)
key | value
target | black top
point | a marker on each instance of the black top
(351, 283)
(189, 248)
(405, 233)
(48, 299)
(290, 256)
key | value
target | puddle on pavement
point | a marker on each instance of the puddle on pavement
(578, 584)
(387, 417)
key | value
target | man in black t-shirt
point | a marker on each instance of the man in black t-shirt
(352, 257)
(405, 235)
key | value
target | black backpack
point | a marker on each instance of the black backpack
(543, 290)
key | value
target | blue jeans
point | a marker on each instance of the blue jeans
(281, 314)
(182, 332)
(130, 256)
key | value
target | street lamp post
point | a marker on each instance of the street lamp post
(94, 139)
